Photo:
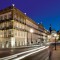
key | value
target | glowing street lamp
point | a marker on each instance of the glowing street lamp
(13, 5)
(31, 31)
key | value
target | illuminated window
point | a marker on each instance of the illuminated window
(17, 24)
(10, 23)
(15, 17)
(5, 24)
(18, 33)
(9, 32)
(15, 33)
(2, 24)
(1, 17)
(18, 18)
(5, 16)
(5, 33)
(22, 19)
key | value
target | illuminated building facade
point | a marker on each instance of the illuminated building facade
(17, 29)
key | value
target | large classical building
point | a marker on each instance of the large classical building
(17, 29)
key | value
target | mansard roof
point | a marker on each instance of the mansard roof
(13, 8)
(7, 9)
(10, 8)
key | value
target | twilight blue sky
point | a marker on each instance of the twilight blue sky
(45, 11)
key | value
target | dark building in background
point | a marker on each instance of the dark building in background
(50, 29)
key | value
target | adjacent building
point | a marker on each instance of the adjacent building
(17, 29)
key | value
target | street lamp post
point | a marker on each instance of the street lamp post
(55, 43)
(31, 31)
(55, 40)
(31, 37)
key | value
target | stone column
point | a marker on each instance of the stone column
(2, 44)
(12, 42)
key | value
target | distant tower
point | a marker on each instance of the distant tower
(50, 28)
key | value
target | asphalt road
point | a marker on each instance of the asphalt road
(11, 51)
(42, 55)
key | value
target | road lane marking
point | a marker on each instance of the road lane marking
(15, 55)
(29, 54)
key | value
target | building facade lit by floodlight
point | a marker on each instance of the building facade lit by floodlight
(15, 29)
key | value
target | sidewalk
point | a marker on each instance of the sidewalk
(56, 54)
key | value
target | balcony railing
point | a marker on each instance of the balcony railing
(1, 21)
(6, 28)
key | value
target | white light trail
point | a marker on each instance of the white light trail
(28, 52)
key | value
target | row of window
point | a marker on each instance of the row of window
(6, 24)
(5, 16)
(19, 25)
(21, 19)
(8, 16)
(25, 20)
(19, 33)
(8, 44)
(28, 22)
(22, 26)
(5, 33)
